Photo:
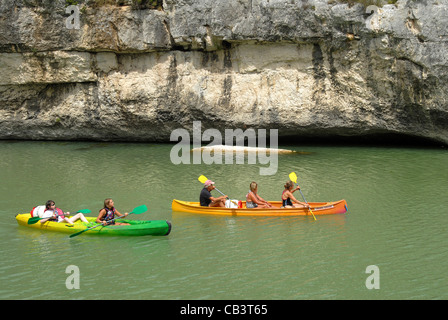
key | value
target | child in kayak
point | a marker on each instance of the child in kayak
(58, 215)
(288, 198)
(253, 200)
(108, 213)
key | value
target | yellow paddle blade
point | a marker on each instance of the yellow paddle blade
(293, 177)
(202, 179)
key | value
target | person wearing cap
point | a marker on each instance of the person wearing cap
(207, 200)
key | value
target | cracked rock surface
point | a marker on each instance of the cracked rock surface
(313, 68)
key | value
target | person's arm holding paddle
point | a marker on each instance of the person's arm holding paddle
(293, 178)
(288, 193)
(106, 215)
(100, 218)
(217, 201)
(207, 200)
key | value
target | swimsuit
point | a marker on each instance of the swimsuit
(250, 204)
(287, 201)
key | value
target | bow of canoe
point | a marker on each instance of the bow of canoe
(135, 227)
(318, 208)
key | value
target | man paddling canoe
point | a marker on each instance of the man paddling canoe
(207, 200)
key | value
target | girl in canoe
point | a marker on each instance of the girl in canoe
(288, 198)
(108, 213)
(59, 216)
(253, 200)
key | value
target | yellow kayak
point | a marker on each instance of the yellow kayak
(135, 227)
(318, 208)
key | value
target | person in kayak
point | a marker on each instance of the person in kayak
(253, 200)
(57, 215)
(108, 213)
(207, 200)
(288, 198)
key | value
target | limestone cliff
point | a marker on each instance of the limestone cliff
(313, 68)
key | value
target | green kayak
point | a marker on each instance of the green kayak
(135, 227)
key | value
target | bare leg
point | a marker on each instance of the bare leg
(220, 203)
(76, 217)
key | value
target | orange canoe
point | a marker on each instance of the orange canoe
(318, 208)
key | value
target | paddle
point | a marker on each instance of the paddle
(202, 179)
(34, 220)
(293, 178)
(137, 210)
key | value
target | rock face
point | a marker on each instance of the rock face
(307, 68)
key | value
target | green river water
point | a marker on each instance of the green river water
(397, 220)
